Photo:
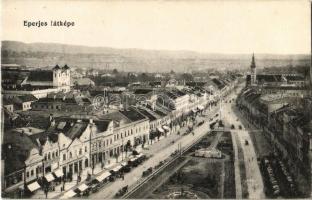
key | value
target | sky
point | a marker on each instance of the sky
(277, 27)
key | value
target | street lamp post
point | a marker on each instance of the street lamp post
(122, 149)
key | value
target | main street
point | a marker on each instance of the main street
(253, 175)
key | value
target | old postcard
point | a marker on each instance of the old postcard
(156, 99)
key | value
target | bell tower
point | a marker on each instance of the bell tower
(253, 71)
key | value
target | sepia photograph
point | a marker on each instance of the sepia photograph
(156, 99)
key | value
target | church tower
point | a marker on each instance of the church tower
(253, 73)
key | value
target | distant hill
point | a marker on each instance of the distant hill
(49, 54)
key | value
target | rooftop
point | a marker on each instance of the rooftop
(40, 76)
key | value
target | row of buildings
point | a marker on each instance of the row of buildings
(67, 145)
(281, 105)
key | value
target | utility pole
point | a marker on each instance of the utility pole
(91, 159)
(220, 106)
(123, 148)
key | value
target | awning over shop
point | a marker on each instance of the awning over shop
(49, 177)
(117, 168)
(83, 187)
(140, 155)
(166, 128)
(58, 173)
(69, 194)
(160, 130)
(33, 186)
(133, 159)
(201, 107)
(103, 176)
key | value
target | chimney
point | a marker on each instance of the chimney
(64, 97)
(91, 121)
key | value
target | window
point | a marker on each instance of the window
(45, 156)
(27, 174)
(70, 155)
(86, 149)
(80, 151)
(64, 156)
(52, 155)
(56, 154)
(49, 156)
(31, 172)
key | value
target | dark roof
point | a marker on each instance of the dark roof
(195, 83)
(57, 100)
(102, 125)
(6, 102)
(65, 67)
(155, 83)
(115, 116)
(56, 67)
(266, 78)
(43, 136)
(40, 75)
(142, 91)
(76, 130)
(15, 156)
(27, 98)
(295, 78)
(219, 83)
(133, 115)
(147, 114)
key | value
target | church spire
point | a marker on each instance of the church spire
(253, 63)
